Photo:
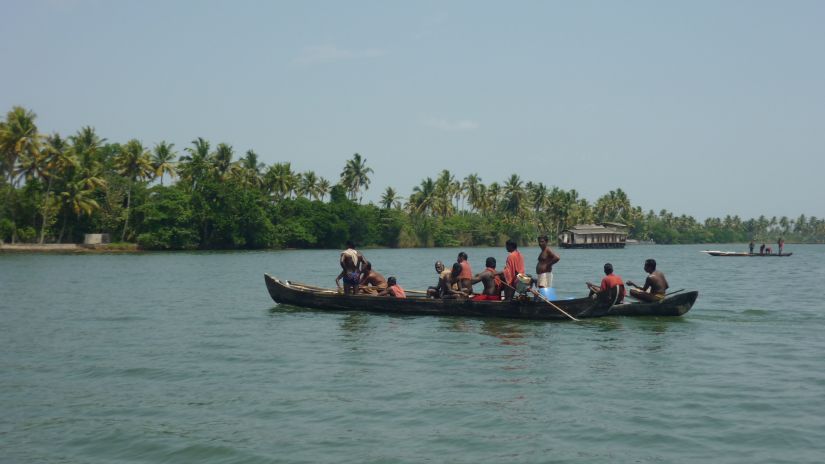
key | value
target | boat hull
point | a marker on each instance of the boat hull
(296, 294)
(751, 255)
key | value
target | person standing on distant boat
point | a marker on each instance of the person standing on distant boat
(544, 268)
(371, 281)
(750, 247)
(393, 289)
(492, 282)
(609, 282)
(512, 268)
(352, 264)
(781, 244)
(762, 249)
(655, 284)
(466, 276)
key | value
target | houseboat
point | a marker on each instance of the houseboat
(601, 235)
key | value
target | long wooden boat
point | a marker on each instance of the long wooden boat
(742, 253)
(308, 296)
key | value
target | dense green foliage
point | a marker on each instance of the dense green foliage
(55, 190)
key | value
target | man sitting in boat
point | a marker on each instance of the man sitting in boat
(452, 285)
(352, 263)
(371, 282)
(490, 279)
(443, 281)
(655, 284)
(612, 286)
(393, 289)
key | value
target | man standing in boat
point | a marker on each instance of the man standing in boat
(352, 264)
(512, 268)
(544, 268)
(490, 279)
(466, 275)
(655, 284)
(750, 247)
(781, 244)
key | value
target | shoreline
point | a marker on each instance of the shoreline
(66, 248)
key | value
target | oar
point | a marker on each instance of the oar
(675, 292)
(545, 300)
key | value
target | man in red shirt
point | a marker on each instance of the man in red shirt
(466, 276)
(512, 268)
(609, 282)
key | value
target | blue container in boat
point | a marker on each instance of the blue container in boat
(547, 292)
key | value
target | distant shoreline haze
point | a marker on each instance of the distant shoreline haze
(57, 188)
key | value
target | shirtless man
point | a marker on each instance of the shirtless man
(443, 281)
(371, 282)
(490, 279)
(655, 284)
(352, 263)
(544, 268)
(453, 284)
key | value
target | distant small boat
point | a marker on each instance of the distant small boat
(742, 253)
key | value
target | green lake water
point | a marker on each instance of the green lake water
(184, 358)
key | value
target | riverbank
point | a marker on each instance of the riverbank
(68, 248)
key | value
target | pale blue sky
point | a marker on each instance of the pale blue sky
(701, 108)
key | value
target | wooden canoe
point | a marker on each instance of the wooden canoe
(308, 296)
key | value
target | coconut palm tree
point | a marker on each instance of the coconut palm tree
(280, 180)
(133, 163)
(423, 198)
(194, 166)
(471, 187)
(222, 160)
(18, 139)
(162, 160)
(59, 161)
(323, 188)
(390, 199)
(86, 145)
(515, 197)
(308, 185)
(355, 176)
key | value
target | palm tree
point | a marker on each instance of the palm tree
(86, 147)
(222, 160)
(390, 199)
(423, 198)
(18, 138)
(58, 162)
(134, 164)
(281, 180)
(515, 198)
(194, 167)
(323, 188)
(250, 169)
(355, 176)
(471, 187)
(308, 185)
(162, 160)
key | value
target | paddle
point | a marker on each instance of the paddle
(543, 299)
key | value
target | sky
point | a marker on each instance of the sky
(703, 108)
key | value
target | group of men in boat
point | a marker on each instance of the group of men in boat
(763, 250)
(358, 276)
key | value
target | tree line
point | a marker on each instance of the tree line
(55, 189)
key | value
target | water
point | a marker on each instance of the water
(183, 357)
